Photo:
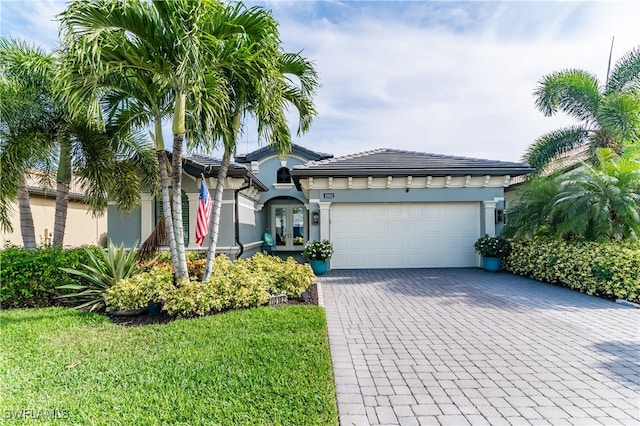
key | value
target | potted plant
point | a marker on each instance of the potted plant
(318, 253)
(492, 250)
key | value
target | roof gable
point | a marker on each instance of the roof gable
(197, 165)
(394, 162)
(268, 151)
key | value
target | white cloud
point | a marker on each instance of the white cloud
(31, 20)
(394, 82)
(446, 77)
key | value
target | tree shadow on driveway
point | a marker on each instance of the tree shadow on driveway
(473, 286)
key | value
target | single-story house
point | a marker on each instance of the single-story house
(384, 208)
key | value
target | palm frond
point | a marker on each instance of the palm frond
(619, 114)
(548, 146)
(625, 73)
(574, 92)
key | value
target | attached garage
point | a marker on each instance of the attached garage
(404, 235)
(389, 208)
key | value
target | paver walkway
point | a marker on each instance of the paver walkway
(464, 346)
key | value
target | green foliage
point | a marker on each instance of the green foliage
(530, 212)
(601, 203)
(248, 367)
(610, 270)
(102, 271)
(492, 247)
(241, 284)
(609, 115)
(318, 250)
(596, 203)
(28, 278)
(137, 291)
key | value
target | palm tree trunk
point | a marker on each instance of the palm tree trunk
(62, 193)
(166, 206)
(217, 208)
(178, 227)
(27, 228)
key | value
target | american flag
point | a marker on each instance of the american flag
(204, 214)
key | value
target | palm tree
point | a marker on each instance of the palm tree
(172, 44)
(102, 156)
(601, 203)
(531, 213)
(609, 115)
(23, 146)
(260, 80)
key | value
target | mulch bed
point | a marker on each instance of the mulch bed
(309, 297)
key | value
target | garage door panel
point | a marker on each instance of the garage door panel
(401, 235)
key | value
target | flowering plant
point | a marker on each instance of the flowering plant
(318, 250)
(493, 247)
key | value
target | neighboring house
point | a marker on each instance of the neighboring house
(82, 228)
(383, 208)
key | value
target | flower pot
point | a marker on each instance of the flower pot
(319, 266)
(155, 308)
(129, 312)
(491, 263)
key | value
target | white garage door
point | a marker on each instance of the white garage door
(404, 235)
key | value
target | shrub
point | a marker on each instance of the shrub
(241, 284)
(610, 270)
(137, 291)
(103, 270)
(192, 298)
(28, 278)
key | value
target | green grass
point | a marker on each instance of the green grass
(261, 366)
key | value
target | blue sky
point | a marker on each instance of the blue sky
(446, 77)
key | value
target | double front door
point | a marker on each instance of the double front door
(288, 223)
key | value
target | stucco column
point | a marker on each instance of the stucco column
(194, 198)
(147, 216)
(490, 217)
(324, 220)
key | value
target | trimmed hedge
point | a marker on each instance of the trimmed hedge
(244, 283)
(28, 278)
(609, 270)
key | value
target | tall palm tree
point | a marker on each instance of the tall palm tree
(100, 156)
(609, 115)
(601, 203)
(24, 145)
(164, 42)
(261, 82)
(132, 99)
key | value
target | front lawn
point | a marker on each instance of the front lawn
(264, 366)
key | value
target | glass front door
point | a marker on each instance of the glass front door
(288, 223)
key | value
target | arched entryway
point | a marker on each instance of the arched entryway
(288, 219)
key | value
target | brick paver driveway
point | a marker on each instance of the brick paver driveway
(464, 346)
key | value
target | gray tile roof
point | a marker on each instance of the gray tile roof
(394, 162)
(196, 164)
(266, 151)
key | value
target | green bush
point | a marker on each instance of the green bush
(241, 284)
(610, 270)
(137, 291)
(103, 271)
(28, 278)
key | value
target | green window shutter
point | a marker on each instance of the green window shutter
(185, 214)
